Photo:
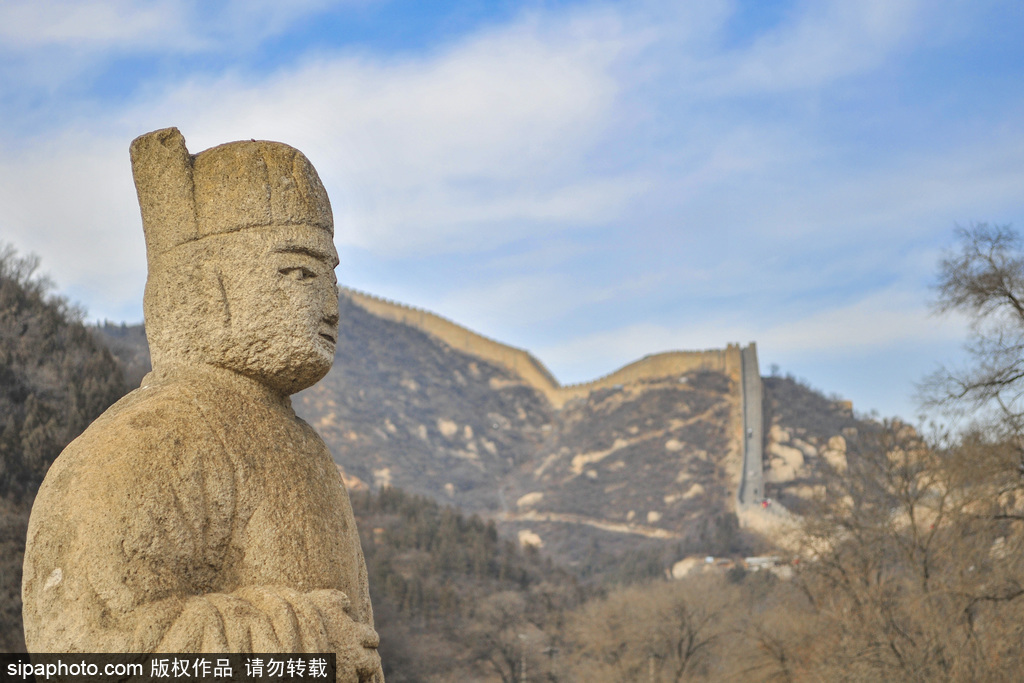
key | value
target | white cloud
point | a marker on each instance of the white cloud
(500, 304)
(443, 148)
(465, 147)
(612, 125)
(72, 201)
(828, 40)
(880, 321)
(94, 24)
(112, 26)
(899, 197)
(52, 51)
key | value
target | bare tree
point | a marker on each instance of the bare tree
(658, 632)
(504, 642)
(983, 279)
(916, 573)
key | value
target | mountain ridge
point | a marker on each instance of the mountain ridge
(653, 451)
(524, 363)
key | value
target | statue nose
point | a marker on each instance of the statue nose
(330, 309)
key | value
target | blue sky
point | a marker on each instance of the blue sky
(592, 181)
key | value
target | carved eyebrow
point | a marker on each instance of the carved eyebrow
(312, 252)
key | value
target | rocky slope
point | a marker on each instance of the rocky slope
(648, 456)
(54, 380)
(806, 434)
(401, 408)
(615, 466)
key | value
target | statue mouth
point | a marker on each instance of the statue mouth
(330, 338)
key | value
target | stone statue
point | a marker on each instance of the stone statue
(199, 513)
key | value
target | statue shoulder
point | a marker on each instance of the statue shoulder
(151, 433)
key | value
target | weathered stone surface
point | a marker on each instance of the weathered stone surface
(786, 464)
(687, 566)
(199, 513)
(835, 454)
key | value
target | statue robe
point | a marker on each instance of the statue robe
(197, 514)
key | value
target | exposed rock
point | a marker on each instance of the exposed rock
(803, 419)
(694, 491)
(584, 459)
(809, 492)
(646, 443)
(806, 448)
(687, 566)
(527, 537)
(529, 500)
(837, 459)
(447, 428)
(780, 473)
(778, 434)
(382, 477)
(352, 483)
(789, 456)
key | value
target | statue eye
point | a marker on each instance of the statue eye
(297, 273)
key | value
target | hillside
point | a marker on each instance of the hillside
(434, 573)
(401, 408)
(647, 459)
(649, 456)
(54, 380)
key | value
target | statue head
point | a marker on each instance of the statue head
(241, 257)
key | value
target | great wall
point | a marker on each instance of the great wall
(739, 364)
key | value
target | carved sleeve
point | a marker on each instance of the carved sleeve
(128, 544)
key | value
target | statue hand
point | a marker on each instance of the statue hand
(356, 643)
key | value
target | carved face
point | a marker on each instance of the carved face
(280, 294)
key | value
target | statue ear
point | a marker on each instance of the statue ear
(188, 310)
(216, 293)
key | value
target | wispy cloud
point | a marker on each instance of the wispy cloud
(597, 180)
(880, 321)
(99, 25)
(824, 42)
(465, 149)
(53, 51)
(147, 26)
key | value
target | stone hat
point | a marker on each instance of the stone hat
(239, 185)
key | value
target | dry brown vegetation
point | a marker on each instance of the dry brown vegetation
(910, 571)
(907, 567)
(55, 379)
